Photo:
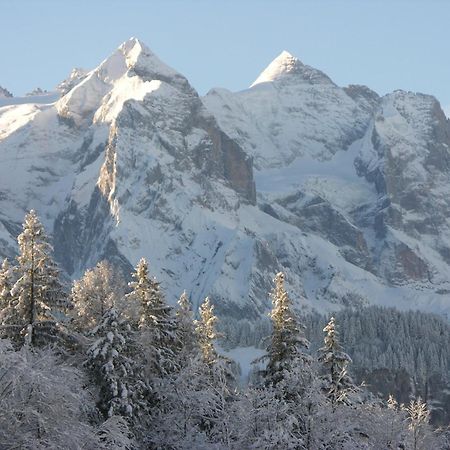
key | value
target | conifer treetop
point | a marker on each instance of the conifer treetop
(288, 343)
(6, 284)
(112, 360)
(38, 294)
(337, 383)
(98, 290)
(184, 305)
(206, 331)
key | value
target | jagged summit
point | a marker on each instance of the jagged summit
(140, 58)
(287, 67)
(4, 93)
(131, 72)
(75, 77)
(131, 43)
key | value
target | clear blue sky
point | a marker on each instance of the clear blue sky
(385, 44)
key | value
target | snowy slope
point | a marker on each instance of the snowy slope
(128, 161)
(290, 111)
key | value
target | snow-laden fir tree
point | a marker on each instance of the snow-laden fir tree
(38, 294)
(157, 323)
(287, 347)
(99, 290)
(141, 288)
(337, 383)
(197, 403)
(205, 328)
(188, 342)
(112, 360)
(6, 284)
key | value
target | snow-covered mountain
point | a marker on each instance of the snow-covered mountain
(4, 93)
(345, 191)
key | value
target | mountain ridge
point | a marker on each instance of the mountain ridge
(342, 189)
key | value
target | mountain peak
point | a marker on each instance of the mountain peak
(131, 43)
(287, 67)
(132, 48)
(285, 55)
(4, 93)
(130, 72)
(142, 61)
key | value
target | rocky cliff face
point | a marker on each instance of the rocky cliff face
(345, 191)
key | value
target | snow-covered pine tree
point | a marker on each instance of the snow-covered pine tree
(100, 289)
(38, 294)
(287, 347)
(157, 323)
(186, 329)
(112, 360)
(288, 375)
(194, 411)
(336, 382)
(6, 284)
(139, 295)
(205, 328)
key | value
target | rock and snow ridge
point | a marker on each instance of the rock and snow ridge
(4, 93)
(351, 196)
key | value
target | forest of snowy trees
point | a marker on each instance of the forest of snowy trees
(108, 365)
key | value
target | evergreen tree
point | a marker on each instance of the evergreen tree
(112, 360)
(99, 290)
(157, 323)
(337, 384)
(206, 332)
(286, 349)
(186, 329)
(38, 294)
(141, 288)
(196, 407)
(6, 284)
